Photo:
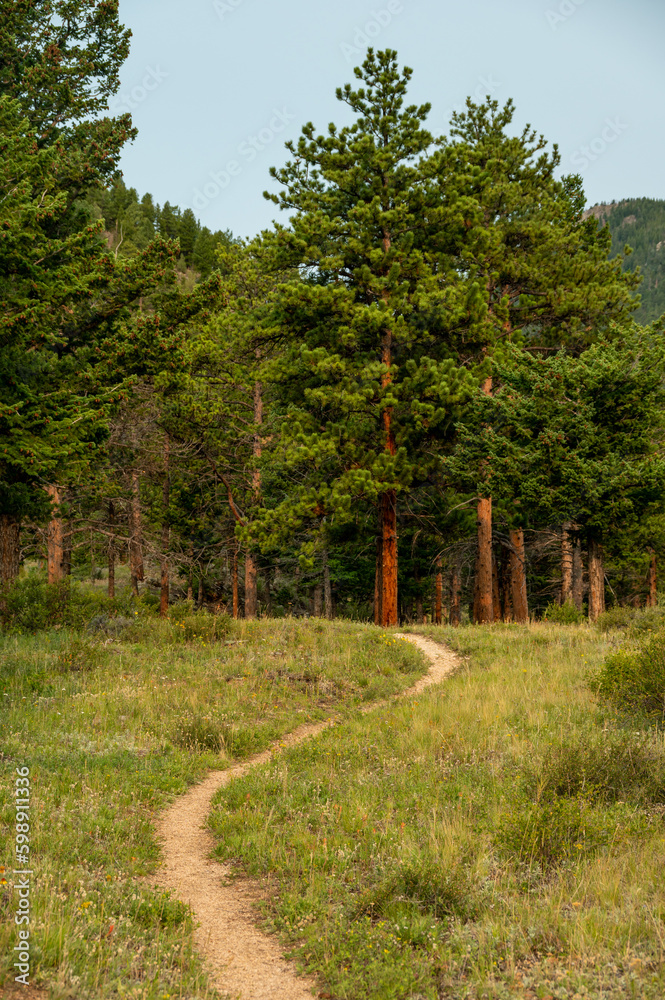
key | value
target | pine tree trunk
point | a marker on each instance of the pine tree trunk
(596, 579)
(578, 576)
(566, 564)
(317, 600)
(55, 539)
(455, 591)
(389, 558)
(135, 543)
(438, 601)
(327, 588)
(111, 550)
(200, 593)
(653, 580)
(484, 582)
(234, 582)
(251, 594)
(518, 577)
(164, 595)
(387, 584)
(10, 549)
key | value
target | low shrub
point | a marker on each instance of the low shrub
(31, 605)
(552, 830)
(198, 733)
(635, 678)
(76, 654)
(563, 614)
(602, 766)
(435, 889)
(636, 621)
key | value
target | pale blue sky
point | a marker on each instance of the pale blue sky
(216, 86)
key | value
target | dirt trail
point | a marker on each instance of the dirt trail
(245, 963)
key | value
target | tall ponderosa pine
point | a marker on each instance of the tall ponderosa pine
(365, 379)
(534, 270)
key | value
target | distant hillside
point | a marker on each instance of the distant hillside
(640, 223)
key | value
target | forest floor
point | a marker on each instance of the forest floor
(465, 842)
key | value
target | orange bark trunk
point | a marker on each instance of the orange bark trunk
(518, 577)
(55, 539)
(388, 558)
(484, 582)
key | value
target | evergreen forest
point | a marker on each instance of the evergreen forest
(344, 415)
(332, 647)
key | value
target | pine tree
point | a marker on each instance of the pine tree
(62, 296)
(535, 271)
(368, 385)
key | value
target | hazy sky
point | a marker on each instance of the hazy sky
(216, 86)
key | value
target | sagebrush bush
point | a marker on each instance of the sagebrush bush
(563, 614)
(634, 678)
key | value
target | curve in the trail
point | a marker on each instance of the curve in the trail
(245, 963)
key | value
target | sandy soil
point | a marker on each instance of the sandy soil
(245, 963)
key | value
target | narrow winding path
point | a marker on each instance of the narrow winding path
(245, 963)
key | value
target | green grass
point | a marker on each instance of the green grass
(114, 723)
(500, 836)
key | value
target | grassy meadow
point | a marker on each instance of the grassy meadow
(500, 836)
(115, 721)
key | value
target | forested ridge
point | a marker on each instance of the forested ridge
(640, 224)
(426, 392)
